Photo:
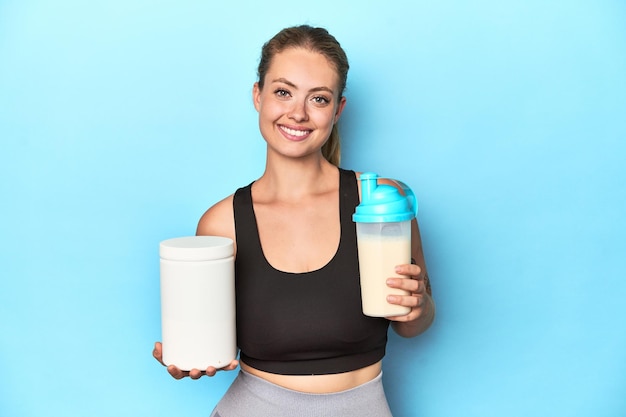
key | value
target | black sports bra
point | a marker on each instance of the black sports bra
(306, 323)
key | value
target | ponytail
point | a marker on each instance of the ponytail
(332, 148)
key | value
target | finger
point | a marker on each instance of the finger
(234, 364)
(211, 371)
(175, 372)
(414, 314)
(195, 374)
(410, 285)
(157, 352)
(419, 301)
(421, 287)
(413, 301)
(409, 270)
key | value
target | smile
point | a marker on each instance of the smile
(295, 132)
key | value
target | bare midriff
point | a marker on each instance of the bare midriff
(319, 384)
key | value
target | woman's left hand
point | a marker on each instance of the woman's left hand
(416, 283)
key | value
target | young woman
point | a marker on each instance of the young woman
(306, 349)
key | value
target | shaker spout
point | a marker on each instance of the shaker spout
(369, 182)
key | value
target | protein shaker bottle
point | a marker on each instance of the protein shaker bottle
(383, 226)
(198, 302)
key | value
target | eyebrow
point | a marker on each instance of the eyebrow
(290, 84)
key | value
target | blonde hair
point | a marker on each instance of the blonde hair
(332, 148)
(318, 40)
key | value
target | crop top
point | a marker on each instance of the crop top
(303, 323)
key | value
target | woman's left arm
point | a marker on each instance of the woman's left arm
(417, 283)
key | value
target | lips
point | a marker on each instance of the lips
(292, 133)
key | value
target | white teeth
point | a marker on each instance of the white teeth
(293, 132)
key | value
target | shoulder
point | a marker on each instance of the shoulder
(218, 220)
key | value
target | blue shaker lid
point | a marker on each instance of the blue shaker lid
(384, 203)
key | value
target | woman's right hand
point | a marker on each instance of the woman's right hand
(194, 373)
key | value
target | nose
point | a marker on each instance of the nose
(298, 112)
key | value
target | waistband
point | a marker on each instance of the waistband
(263, 386)
(250, 395)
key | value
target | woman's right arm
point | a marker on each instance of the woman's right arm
(216, 221)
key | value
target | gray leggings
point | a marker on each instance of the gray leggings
(251, 396)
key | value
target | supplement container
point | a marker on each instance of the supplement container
(198, 302)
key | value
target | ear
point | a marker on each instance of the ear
(340, 107)
(256, 96)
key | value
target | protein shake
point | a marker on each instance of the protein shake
(383, 223)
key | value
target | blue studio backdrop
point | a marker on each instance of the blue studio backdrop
(121, 121)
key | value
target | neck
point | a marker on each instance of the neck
(292, 179)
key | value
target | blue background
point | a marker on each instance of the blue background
(121, 121)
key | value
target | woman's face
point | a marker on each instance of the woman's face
(299, 102)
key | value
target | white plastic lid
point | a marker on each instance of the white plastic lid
(196, 248)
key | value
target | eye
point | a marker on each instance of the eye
(282, 93)
(321, 100)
